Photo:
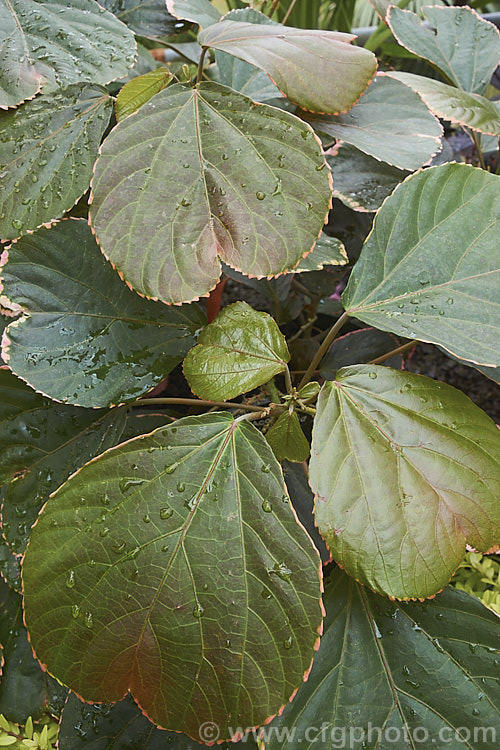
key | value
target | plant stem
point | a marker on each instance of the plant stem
(479, 153)
(332, 334)
(288, 380)
(199, 77)
(400, 350)
(274, 7)
(195, 402)
(287, 14)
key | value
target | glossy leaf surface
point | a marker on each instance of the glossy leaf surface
(201, 12)
(406, 472)
(102, 343)
(472, 110)
(240, 75)
(247, 184)
(145, 17)
(360, 346)
(239, 351)
(182, 561)
(287, 439)
(388, 123)
(328, 251)
(292, 57)
(47, 151)
(398, 675)
(140, 90)
(40, 39)
(25, 690)
(118, 726)
(361, 181)
(464, 46)
(42, 444)
(429, 269)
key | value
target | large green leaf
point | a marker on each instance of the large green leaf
(464, 46)
(406, 471)
(47, 151)
(201, 12)
(25, 690)
(43, 443)
(181, 576)
(292, 57)
(360, 346)
(429, 269)
(146, 17)
(139, 90)
(390, 123)
(361, 181)
(240, 75)
(248, 184)
(287, 439)
(391, 675)
(102, 343)
(10, 566)
(121, 725)
(52, 44)
(239, 351)
(472, 110)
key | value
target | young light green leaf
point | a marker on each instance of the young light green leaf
(389, 123)
(240, 75)
(123, 725)
(464, 46)
(201, 12)
(147, 18)
(102, 343)
(292, 57)
(42, 444)
(328, 251)
(360, 346)
(47, 151)
(472, 110)
(25, 689)
(139, 90)
(239, 351)
(389, 675)
(406, 472)
(256, 195)
(56, 44)
(361, 181)
(180, 563)
(429, 269)
(287, 439)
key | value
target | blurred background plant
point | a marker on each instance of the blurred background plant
(480, 575)
(38, 735)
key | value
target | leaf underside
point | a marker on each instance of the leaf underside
(146, 18)
(287, 439)
(174, 558)
(406, 472)
(201, 12)
(102, 343)
(429, 268)
(201, 174)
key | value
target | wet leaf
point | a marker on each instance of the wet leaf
(429, 269)
(145, 17)
(42, 444)
(240, 75)
(406, 472)
(472, 110)
(195, 566)
(57, 44)
(357, 347)
(239, 351)
(48, 148)
(398, 675)
(388, 123)
(10, 565)
(464, 46)
(287, 439)
(256, 196)
(201, 12)
(140, 90)
(102, 343)
(361, 181)
(25, 690)
(292, 57)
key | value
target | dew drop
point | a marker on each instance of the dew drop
(70, 580)
(170, 469)
(17, 224)
(104, 531)
(260, 195)
(165, 513)
(146, 518)
(287, 643)
(267, 507)
(128, 484)
(119, 547)
(372, 375)
(198, 610)
(181, 486)
(265, 468)
(75, 610)
(89, 620)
